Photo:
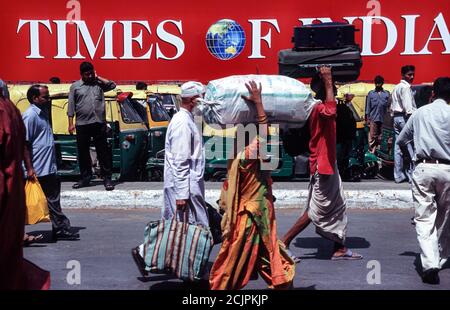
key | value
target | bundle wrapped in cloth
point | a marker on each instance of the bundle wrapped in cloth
(287, 102)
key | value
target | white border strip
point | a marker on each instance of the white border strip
(149, 199)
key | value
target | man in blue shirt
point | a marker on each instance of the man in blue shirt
(377, 102)
(39, 137)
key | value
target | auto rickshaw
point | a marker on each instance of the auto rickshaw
(169, 95)
(362, 163)
(163, 101)
(135, 130)
(153, 112)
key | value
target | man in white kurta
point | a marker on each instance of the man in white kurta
(184, 164)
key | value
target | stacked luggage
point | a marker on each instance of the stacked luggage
(330, 44)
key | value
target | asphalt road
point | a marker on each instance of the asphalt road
(385, 238)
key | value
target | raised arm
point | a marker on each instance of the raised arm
(255, 98)
(105, 84)
(328, 108)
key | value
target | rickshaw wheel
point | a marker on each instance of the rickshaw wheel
(354, 174)
(155, 175)
(219, 176)
(371, 170)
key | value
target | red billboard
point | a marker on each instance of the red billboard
(129, 40)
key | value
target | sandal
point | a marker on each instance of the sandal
(294, 258)
(349, 255)
(30, 239)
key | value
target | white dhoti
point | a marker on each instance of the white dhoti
(326, 206)
(431, 191)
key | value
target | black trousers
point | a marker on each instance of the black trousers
(97, 132)
(343, 157)
(51, 185)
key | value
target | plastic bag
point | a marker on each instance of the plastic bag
(286, 101)
(36, 202)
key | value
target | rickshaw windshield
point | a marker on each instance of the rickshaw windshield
(132, 111)
(168, 100)
(157, 110)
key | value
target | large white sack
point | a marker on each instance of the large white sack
(286, 101)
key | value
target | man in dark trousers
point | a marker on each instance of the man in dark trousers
(87, 103)
(41, 145)
(377, 103)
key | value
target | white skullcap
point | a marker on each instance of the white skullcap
(191, 89)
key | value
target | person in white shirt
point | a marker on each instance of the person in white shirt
(402, 107)
(184, 166)
(184, 162)
(429, 129)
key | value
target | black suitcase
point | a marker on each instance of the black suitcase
(324, 35)
(345, 63)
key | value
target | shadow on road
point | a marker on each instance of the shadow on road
(417, 261)
(47, 234)
(325, 247)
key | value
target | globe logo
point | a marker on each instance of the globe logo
(225, 39)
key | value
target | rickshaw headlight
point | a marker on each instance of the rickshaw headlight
(126, 145)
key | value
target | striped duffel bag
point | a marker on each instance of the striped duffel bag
(178, 248)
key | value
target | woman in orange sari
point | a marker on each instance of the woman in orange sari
(250, 242)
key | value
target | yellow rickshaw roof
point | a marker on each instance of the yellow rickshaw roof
(18, 92)
(360, 89)
(137, 94)
(165, 89)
